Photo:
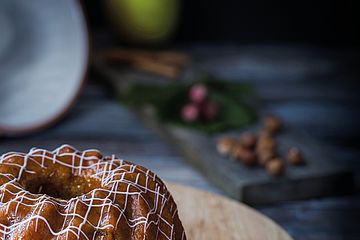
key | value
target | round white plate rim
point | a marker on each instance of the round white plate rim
(69, 92)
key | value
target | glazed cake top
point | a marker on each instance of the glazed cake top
(69, 194)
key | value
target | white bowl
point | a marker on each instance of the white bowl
(43, 61)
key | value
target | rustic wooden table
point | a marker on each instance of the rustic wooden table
(98, 121)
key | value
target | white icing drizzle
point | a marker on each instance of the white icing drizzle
(111, 172)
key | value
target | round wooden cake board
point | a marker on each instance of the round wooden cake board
(209, 216)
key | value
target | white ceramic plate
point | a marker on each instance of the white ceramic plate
(43, 60)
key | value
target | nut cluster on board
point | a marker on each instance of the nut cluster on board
(260, 148)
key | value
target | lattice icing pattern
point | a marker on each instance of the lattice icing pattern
(68, 194)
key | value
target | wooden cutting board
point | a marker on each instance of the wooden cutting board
(320, 176)
(208, 216)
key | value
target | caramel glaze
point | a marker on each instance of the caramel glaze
(67, 194)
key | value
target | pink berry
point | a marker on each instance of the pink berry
(210, 110)
(190, 113)
(198, 93)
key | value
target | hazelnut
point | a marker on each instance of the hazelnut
(295, 156)
(265, 155)
(272, 124)
(263, 133)
(237, 151)
(275, 167)
(246, 156)
(266, 143)
(225, 145)
(248, 140)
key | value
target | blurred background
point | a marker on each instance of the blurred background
(124, 76)
(323, 23)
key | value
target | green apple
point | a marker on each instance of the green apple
(144, 21)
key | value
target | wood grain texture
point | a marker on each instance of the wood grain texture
(207, 216)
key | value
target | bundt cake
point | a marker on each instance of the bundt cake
(68, 194)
